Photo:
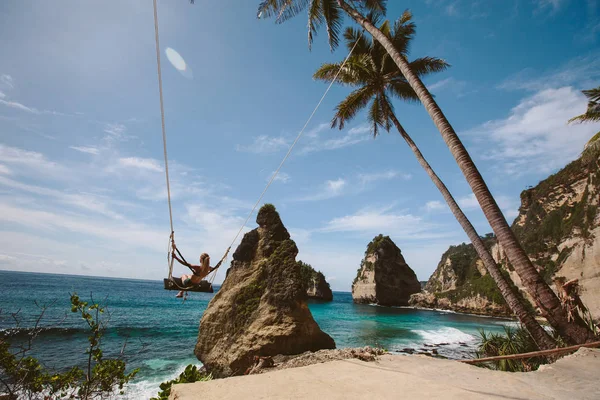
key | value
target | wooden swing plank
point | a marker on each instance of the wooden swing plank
(176, 284)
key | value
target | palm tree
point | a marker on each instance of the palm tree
(376, 79)
(592, 114)
(329, 12)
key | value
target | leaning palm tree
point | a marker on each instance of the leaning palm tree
(330, 13)
(376, 79)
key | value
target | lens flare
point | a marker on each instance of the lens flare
(178, 62)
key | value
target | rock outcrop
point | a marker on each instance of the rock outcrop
(461, 283)
(384, 278)
(260, 309)
(557, 225)
(314, 283)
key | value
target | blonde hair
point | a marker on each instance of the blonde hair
(204, 260)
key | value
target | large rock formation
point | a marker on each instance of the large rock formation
(384, 277)
(260, 309)
(557, 225)
(461, 283)
(314, 283)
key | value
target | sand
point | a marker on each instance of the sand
(407, 377)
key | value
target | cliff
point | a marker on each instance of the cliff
(557, 225)
(461, 283)
(261, 307)
(314, 283)
(383, 276)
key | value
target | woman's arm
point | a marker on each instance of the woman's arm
(184, 262)
(216, 266)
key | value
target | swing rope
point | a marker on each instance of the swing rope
(164, 134)
(162, 120)
(293, 145)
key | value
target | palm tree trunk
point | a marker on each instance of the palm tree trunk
(512, 297)
(545, 298)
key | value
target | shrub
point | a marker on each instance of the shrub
(190, 375)
(24, 376)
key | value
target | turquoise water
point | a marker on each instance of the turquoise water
(158, 331)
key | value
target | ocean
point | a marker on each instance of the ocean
(157, 332)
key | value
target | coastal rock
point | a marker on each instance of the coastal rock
(260, 309)
(384, 278)
(317, 287)
(461, 283)
(559, 228)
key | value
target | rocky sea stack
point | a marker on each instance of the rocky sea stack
(384, 278)
(316, 286)
(260, 309)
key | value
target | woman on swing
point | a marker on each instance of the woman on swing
(199, 272)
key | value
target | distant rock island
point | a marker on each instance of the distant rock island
(261, 307)
(317, 287)
(384, 278)
(558, 226)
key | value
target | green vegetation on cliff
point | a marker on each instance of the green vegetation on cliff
(560, 207)
(373, 245)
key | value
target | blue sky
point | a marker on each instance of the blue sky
(81, 172)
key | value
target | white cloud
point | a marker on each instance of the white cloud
(7, 80)
(26, 158)
(85, 201)
(317, 142)
(116, 133)
(149, 164)
(452, 9)
(282, 177)
(382, 176)
(19, 106)
(86, 149)
(2, 95)
(435, 205)
(455, 86)
(329, 189)
(135, 235)
(373, 221)
(582, 71)
(553, 5)
(508, 205)
(535, 136)
(264, 144)
(4, 170)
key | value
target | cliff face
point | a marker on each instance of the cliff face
(260, 309)
(461, 283)
(314, 283)
(557, 225)
(384, 277)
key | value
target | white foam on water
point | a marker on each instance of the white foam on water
(445, 335)
(146, 389)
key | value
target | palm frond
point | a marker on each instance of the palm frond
(587, 117)
(400, 89)
(592, 94)
(355, 37)
(315, 20)
(333, 19)
(351, 105)
(403, 32)
(355, 72)
(427, 65)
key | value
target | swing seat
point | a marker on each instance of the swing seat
(177, 284)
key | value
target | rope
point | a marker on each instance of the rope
(164, 135)
(293, 145)
(531, 354)
(162, 120)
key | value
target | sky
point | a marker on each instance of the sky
(82, 185)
